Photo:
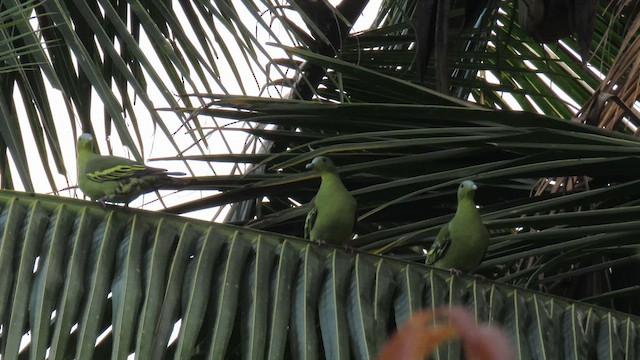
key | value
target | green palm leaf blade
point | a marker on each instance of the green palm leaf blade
(485, 302)
(332, 307)
(515, 321)
(33, 229)
(437, 296)
(556, 309)
(479, 301)
(542, 330)
(497, 302)
(254, 306)
(224, 301)
(85, 61)
(457, 291)
(225, 271)
(126, 288)
(382, 297)
(629, 334)
(575, 327)
(156, 259)
(48, 280)
(173, 290)
(104, 244)
(409, 288)
(10, 221)
(361, 306)
(77, 249)
(591, 323)
(280, 299)
(12, 141)
(197, 290)
(437, 290)
(383, 84)
(609, 342)
(303, 333)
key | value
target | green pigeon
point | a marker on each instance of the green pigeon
(332, 216)
(461, 243)
(116, 179)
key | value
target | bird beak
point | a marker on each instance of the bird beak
(474, 187)
(309, 166)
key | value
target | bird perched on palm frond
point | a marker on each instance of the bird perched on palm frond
(332, 216)
(461, 244)
(116, 179)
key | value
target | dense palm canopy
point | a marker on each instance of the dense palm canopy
(434, 92)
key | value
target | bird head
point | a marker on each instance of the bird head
(85, 142)
(467, 189)
(321, 164)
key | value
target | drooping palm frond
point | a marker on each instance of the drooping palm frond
(12, 63)
(112, 282)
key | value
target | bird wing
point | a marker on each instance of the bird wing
(115, 173)
(440, 245)
(311, 219)
(113, 168)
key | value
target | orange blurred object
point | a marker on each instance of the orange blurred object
(421, 335)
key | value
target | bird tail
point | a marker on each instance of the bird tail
(180, 183)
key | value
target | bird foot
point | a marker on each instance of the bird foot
(102, 202)
(455, 272)
(320, 242)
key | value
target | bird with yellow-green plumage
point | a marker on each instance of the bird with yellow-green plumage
(462, 242)
(115, 179)
(332, 213)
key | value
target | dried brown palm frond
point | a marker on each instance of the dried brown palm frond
(612, 104)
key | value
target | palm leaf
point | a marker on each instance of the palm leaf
(244, 267)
